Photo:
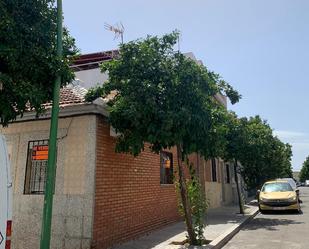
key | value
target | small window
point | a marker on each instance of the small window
(166, 167)
(36, 166)
(214, 170)
(228, 179)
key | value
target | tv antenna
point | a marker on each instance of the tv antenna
(118, 30)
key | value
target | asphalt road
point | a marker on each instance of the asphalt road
(276, 230)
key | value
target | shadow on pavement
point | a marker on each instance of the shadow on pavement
(269, 223)
(223, 215)
(281, 212)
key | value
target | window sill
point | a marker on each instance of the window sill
(164, 185)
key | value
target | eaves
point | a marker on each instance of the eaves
(98, 107)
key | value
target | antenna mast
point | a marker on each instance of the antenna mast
(117, 29)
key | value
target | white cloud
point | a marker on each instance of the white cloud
(300, 145)
(289, 134)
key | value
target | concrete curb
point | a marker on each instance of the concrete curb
(220, 241)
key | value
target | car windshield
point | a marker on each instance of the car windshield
(277, 187)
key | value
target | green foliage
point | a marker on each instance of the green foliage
(286, 156)
(28, 60)
(94, 93)
(198, 202)
(274, 157)
(163, 98)
(235, 138)
(304, 172)
(262, 155)
(230, 92)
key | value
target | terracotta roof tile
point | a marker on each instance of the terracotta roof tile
(70, 95)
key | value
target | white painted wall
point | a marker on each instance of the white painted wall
(90, 78)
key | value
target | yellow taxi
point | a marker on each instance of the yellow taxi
(278, 195)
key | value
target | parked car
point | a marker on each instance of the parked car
(278, 195)
(5, 197)
(307, 183)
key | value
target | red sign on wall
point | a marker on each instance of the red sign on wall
(40, 152)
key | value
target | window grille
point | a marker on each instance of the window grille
(36, 167)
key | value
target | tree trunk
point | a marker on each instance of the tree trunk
(241, 208)
(184, 197)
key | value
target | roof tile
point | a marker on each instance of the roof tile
(70, 95)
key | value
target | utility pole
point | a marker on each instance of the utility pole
(52, 145)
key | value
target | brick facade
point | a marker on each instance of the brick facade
(129, 199)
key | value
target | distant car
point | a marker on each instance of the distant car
(278, 195)
(307, 183)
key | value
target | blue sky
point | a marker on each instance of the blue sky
(260, 46)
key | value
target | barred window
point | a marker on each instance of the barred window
(36, 167)
(166, 168)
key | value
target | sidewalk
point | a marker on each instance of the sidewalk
(222, 224)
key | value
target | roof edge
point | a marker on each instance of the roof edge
(67, 111)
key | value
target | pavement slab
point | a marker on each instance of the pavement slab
(222, 224)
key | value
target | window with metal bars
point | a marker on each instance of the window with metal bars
(36, 167)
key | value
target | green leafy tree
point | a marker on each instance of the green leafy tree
(304, 172)
(28, 60)
(235, 138)
(280, 158)
(197, 201)
(164, 99)
(263, 156)
(287, 154)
